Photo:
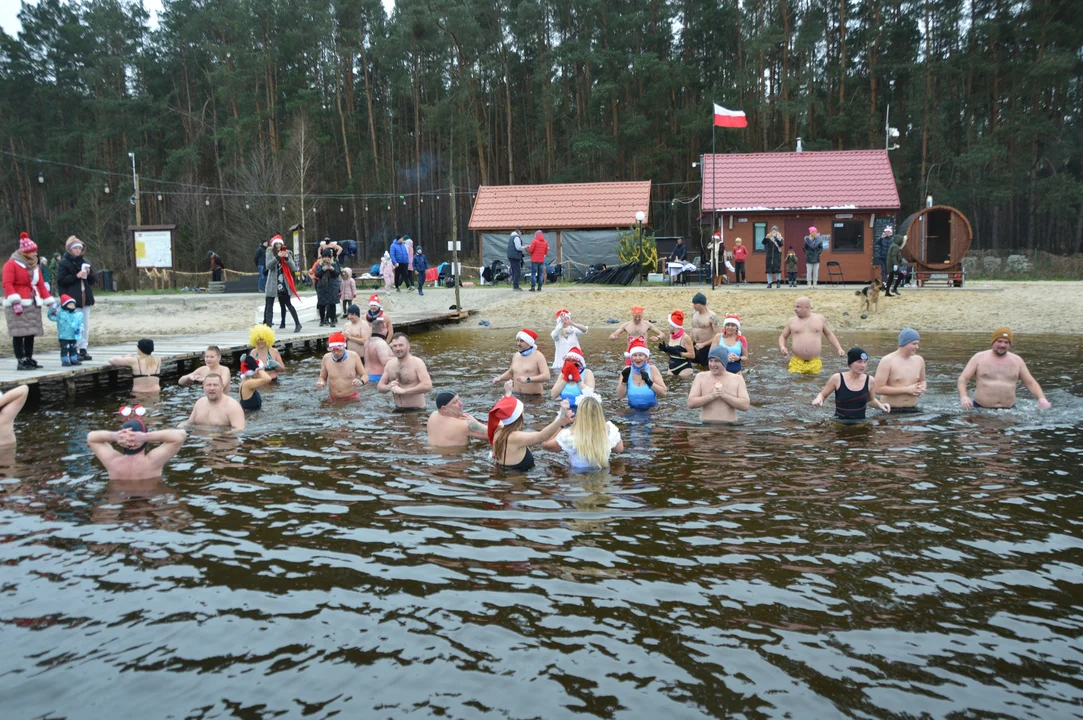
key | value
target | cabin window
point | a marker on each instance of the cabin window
(848, 236)
(759, 232)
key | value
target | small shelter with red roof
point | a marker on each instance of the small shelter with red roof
(848, 195)
(581, 221)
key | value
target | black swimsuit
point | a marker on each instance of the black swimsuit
(253, 403)
(676, 362)
(525, 464)
(850, 404)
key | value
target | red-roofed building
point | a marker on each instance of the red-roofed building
(847, 195)
(581, 221)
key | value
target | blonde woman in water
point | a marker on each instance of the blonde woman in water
(591, 439)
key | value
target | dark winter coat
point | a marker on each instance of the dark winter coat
(883, 245)
(328, 283)
(421, 264)
(894, 253)
(813, 247)
(515, 247)
(69, 283)
(773, 252)
(260, 256)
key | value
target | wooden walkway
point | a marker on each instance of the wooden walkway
(183, 353)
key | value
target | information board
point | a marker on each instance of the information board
(153, 248)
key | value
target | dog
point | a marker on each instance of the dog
(870, 295)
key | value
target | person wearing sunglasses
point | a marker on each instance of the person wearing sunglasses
(133, 461)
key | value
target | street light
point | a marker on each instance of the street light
(640, 217)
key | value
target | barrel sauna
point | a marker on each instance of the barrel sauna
(937, 240)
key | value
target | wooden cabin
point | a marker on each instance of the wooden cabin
(581, 221)
(848, 195)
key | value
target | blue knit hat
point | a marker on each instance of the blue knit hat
(907, 336)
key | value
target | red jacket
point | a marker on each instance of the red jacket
(23, 286)
(538, 247)
(740, 254)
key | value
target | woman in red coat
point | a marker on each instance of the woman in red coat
(25, 291)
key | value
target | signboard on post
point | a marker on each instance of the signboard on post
(152, 249)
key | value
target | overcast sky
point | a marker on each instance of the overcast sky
(9, 13)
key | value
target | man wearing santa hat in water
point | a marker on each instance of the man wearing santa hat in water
(376, 310)
(528, 370)
(341, 370)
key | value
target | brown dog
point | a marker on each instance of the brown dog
(871, 295)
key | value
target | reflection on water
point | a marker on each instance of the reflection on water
(329, 562)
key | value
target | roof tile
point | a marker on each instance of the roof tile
(842, 180)
(569, 206)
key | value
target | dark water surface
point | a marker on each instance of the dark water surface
(328, 563)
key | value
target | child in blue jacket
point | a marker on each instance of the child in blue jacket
(69, 326)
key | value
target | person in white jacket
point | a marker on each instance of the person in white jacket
(566, 336)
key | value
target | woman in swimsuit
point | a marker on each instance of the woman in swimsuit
(854, 389)
(253, 377)
(679, 348)
(145, 368)
(591, 439)
(641, 382)
(511, 444)
(733, 341)
(262, 340)
(575, 379)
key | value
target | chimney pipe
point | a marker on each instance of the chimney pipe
(798, 144)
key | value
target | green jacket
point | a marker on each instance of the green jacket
(791, 263)
(894, 253)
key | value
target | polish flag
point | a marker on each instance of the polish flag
(729, 118)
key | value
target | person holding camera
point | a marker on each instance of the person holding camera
(328, 287)
(280, 269)
(76, 279)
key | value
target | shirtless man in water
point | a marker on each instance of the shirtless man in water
(637, 327)
(528, 370)
(704, 327)
(996, 372)
(212, 363)
(377, 351)
(900, 376)
(356, 330)
(808, 330)
(216, 407)
(449, 426)
(11, 402)
(133, 462)
(717, 393)
(342, 369)
(405, 377)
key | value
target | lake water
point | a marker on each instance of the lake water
(328, 563)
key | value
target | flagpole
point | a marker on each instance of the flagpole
(714, 266)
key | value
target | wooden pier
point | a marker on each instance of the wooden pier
(182, 353)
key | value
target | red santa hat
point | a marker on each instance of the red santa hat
(575, 355)
(528, 336)
(506, 411)
(336, 340)
(249, 366)
(26, 245)
(277, 240)
(65, 299)
(374, 299)
(676, 319)
(637, 346)
(562, 312)
(732, 319)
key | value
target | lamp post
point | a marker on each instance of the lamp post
(640, 217)
(135, 192)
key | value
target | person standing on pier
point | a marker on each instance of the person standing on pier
(400, 260)
(25, 292)
(280, 269)
(74, 277)
(348, 291)
(69, 326)
(328, 287)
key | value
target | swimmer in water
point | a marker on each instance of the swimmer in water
(733, 341)
(216, 408)
(717, 392)
(212, 363)
(565, 337)
(377, 351)
(511, 444)
(11, 402)
(376, 312)
(704, 324)
(405, 376)
(356, 330)
(853, 389)
(641, 382)
(133, 461)
(996, 372)
(900, 375)
(574, 378)
(449, 426)
(529, 370)
(679, 348)
(341, 370)
(808, 329)
(637, 328)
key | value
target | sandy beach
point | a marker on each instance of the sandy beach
(1026, 307)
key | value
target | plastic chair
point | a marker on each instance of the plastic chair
(834, 273)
